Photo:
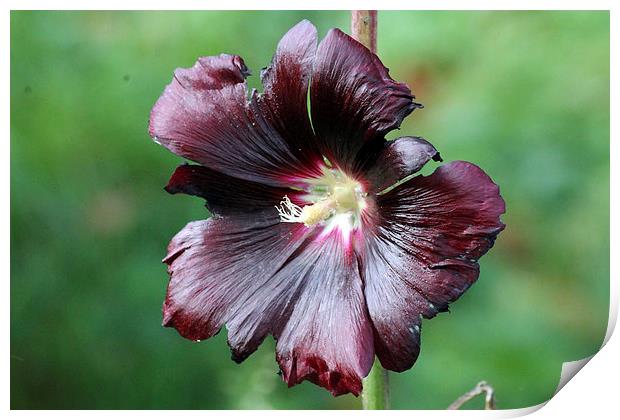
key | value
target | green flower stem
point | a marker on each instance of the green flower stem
(375, 395)
(364, 28)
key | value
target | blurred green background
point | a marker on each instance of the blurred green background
(525, 95)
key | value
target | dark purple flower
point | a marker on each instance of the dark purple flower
(311, 240)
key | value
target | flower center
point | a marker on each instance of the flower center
(332, 196)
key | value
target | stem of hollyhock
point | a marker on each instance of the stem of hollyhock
(364, 28)
(375, 392)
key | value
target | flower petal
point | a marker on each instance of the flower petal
(431, 232)
(216, 266)
(259, 277)
(205, 115)
(285, 84)
(328, 339)
(398, 159)
(225, 195)
(395, 306)
(353, 99)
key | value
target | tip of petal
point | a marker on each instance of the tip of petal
(298, 37)
(315, 369)
(167, 316)
(304, 23)
(238, 353)
(238, 357)
(172, 255)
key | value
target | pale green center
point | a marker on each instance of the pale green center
(332, 196)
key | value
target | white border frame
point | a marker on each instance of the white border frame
(593, 393)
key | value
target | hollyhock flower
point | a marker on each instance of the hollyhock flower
(320, 235)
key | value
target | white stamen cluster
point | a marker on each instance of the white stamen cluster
(308, 215)
(332, 194)
(289, 212)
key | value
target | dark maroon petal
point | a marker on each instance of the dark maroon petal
(429, 235)
(314, 306)
(328, 338)
(398, 159)
(285, 84)
(258, 276)
(394, 304)
(205, 115)
(353, 99)
(220, 265)
(225, 195)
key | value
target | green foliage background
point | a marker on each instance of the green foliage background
(525, 95)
